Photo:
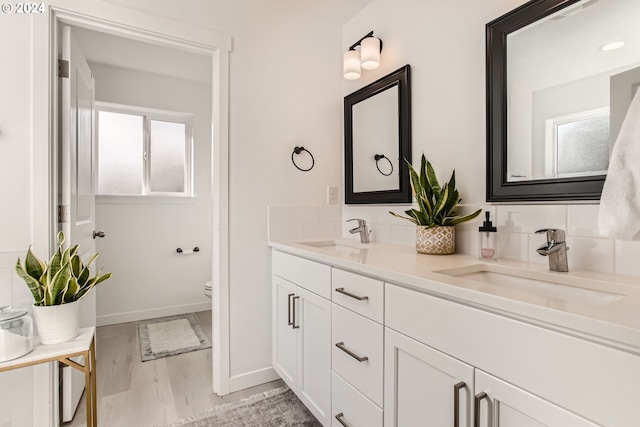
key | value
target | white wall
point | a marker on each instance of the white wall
(444, 43)
(149, 278)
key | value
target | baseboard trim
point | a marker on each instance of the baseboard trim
(251, 379)
(134, 316)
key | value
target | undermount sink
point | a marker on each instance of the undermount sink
(336, 245)
(549, 285)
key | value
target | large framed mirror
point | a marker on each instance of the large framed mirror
(377, 133)
(560, 77)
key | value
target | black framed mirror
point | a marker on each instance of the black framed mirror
(556, 96)
(377, 133)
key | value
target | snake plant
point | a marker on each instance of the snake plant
(63, 280)
(436, 204)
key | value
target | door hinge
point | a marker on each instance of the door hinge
(63, 214)
(63, 68)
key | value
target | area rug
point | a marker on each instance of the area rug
(169, 336)
(274, 408)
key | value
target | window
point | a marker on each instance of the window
(143, 152)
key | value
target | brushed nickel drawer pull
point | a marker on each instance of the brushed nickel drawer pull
(476, 407)
(293, 325)
(340, 418)
(456, 402)
(341, 346)
(289, 309)
(349, 294)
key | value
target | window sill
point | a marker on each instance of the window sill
(146, 200)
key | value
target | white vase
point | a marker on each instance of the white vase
(436, 240)
(57, 323)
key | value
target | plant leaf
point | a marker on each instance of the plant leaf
(33, 284)
(462, 218)
(33, 266)
(58, 285)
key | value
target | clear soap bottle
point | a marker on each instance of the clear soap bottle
(487, 240)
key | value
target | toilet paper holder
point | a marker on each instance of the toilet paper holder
(187, 251)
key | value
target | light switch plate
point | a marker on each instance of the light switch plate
(332, 195)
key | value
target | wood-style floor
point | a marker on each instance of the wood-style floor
(154, 393)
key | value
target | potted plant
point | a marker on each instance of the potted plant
(435, 217)
(56, 288)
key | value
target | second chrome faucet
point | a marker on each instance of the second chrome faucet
(555, 248)
(362, 229)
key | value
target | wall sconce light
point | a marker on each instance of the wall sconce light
(368, 57)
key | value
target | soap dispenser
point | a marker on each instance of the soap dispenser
(487, 240)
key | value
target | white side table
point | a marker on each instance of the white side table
(82, 345)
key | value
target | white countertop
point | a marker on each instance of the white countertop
(615, 323)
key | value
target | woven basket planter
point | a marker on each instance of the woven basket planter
(436, 240)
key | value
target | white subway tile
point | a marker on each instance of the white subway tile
(331, 213)
(403, 235)
(319, 230)
(529, 218)
(303, 214)
(381, 233)
(293, 231)
(582, 220)
(627, 257)
(591, 254)
(383, 216)
(513, 246)
(463, 242)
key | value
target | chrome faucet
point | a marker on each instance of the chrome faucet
(362, 229)
(555, 248)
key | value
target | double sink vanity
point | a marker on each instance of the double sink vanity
(376, 334)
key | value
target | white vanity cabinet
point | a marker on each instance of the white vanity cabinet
(532, 376)
(301, 352)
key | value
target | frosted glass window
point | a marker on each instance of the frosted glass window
(120, 153)
(167, 153)
(143, 152)
(583, 147)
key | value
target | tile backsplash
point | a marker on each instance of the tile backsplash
(517, 239)
(516, 225)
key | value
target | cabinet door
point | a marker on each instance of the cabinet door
(284, 351)
(508, 406)
(313, 315)
(424, 387)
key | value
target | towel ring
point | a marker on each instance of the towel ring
(379, 157)
(298, 150)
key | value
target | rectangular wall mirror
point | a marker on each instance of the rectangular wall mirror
(560, 77)
(377, 132)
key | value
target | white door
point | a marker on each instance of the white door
(424, 387)
(313, 316)
(284, 335)
(501, 404)
(77, 189)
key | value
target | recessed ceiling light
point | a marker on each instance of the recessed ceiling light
(612, 46)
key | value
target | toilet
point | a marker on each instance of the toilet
(208, 288)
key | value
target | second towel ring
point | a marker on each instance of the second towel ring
(379, 157)
(298, 150)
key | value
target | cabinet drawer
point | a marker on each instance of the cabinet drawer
(363, 338)
(356, 409)
(310, 275)
(361, 294)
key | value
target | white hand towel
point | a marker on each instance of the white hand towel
(619, 212)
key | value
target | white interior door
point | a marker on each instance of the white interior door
(77, 188)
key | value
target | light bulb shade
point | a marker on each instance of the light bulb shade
(370, 53)
(351, 65)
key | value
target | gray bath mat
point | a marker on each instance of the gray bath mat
(274, 408)
(168, 336)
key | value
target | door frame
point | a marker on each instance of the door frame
(131, 24)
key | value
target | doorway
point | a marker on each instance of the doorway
(216, 47)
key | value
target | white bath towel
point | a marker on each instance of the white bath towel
(619, 213)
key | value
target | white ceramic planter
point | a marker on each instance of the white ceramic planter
(57, 323)
(436, 240)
